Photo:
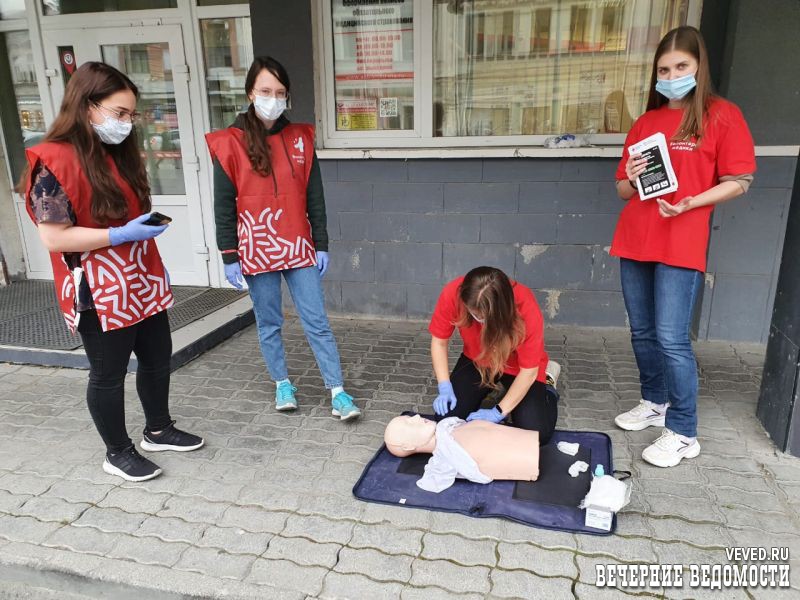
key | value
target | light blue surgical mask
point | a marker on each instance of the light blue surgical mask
(113, 131)
(675, 89)
(269, 108)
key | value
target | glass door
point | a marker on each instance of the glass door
(153, 57)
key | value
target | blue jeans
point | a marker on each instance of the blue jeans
(660, 303)
(305, 287)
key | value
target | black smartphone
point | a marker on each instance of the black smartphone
(157, 218)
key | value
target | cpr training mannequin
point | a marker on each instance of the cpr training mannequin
(479, 451)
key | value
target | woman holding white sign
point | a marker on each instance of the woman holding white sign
(662, 241)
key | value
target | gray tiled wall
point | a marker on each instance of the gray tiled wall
(400, 229)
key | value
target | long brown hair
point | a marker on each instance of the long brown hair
(255, 132)
(689, 40)
(92, 83)
(488, 291)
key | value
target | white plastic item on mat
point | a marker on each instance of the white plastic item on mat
(568, 447)
(607, 492)
(577, 468)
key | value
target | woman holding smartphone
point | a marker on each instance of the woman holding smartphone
(662, 243)
(86, 190)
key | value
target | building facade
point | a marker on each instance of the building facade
(432, 121)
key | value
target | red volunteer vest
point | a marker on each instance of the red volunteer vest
(128, 282)
(272, 223)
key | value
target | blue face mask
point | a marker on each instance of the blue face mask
(675, 89)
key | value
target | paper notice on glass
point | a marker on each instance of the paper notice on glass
(658, 178)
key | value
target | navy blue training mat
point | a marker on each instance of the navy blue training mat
(551, 502)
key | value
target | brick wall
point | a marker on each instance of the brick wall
(401, 229)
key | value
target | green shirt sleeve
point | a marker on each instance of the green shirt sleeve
(225, 215)
(315, 207)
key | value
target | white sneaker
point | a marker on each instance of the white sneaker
(670, 449)
(552, 372)
(643, 415)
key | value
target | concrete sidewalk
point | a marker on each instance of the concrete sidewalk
(265, 509)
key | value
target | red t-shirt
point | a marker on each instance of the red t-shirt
(528, 355)
(726, 149)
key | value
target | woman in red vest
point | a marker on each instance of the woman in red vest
(269, 210)
(86, 190)
(662, 242)
(502, 329)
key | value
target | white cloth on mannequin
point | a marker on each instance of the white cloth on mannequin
(449, 460)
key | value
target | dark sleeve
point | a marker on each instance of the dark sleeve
(48, 200)
(225, 214)
(315, 207)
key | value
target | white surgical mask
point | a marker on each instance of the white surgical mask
(113, 131)
(477, 320)
(269, 108)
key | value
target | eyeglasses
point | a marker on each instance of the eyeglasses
(268, 93)
(122, 115)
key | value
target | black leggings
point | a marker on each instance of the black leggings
(537, 411)
(109, 353)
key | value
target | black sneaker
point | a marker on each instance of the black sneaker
(170, 438)
(130, 465)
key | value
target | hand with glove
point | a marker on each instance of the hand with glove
(493, 415)
(233, 273)
(446, 400)
(134, 231)
(322, 262)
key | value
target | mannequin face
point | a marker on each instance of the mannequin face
(406, 435)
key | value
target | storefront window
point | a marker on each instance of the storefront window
(228, 52)
(373, 49)
(218, 2)
(503, 68)
(12, 9)
(68, 7)
(150, 67)
(21, 110)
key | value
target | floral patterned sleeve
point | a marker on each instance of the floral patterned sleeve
(48, 199)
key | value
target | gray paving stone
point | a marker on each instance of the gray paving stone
(456, 549)
(111, 520)
(149, 550)
(195, 510)
(254, 519)
(547, 563)
(358, 587)
(23, 483)
(215, 562)
(169, 529)
(26, 529)
(387, 538)
(302, 551)
(234, 540)
(374, 564)
(82, 539)
(519, 584)
(319, 529)
(431, 593)
(452, 577)
(284, 574)
(51, 509)
(134, 500)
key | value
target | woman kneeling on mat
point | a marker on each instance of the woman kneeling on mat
(503, 332)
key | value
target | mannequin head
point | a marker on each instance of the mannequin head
(407, 435)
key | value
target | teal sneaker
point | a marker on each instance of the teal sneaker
(344, 408)
(284, 397)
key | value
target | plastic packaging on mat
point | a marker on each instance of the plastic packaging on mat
(577, 468)
(568, 447)
(608, 492)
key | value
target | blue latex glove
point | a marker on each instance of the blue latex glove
(446, 400)
(493, 415)
(233, 273)
(322, 262)
(134, 231)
